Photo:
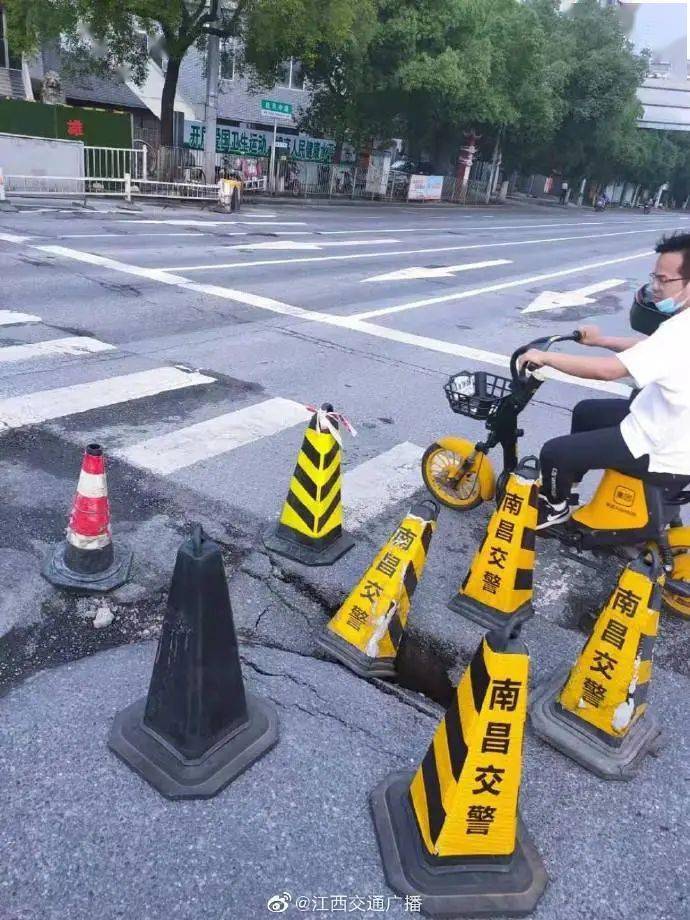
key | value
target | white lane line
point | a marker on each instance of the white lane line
(156, 274)
(475, 354)
(303, 245)
(441, 271)
(43, 405)
(499, 286)
(186, 446)
(274, 223)
(10, 318)
(285, 309)
(191, 222)
(385, 479)
(462, 228)
(125, 236)
(76, 345)
(399, 252)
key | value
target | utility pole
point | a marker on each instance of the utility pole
(212, 67)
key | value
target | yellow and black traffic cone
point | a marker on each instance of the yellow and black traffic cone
(451, 832)
(198, 728)
(596, 713)
(498, 585)
(365, 634)
(310, 527)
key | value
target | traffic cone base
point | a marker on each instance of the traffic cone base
(354, 659)
(198, 728)
(285, 542)
(483, 614)
(60, 568)
(476, 886)
(591, 749)
(178, 778)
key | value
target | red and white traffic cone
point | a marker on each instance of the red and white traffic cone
(87, 559)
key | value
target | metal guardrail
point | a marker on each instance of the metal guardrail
(126, 187)
(256, 184)
(152, 188)
(115, 162)
(59, 186)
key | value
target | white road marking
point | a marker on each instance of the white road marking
(443, 271)
(499, 286)
(385, 479)
(475, 354)
(43, 405)
(285, 309)
(459, 227)
(10, 318)
(556, 300)
(191, 222)
(302, 244)
(76, 345)
(13, 238)
(400, 252)
(274, 223)
(125, 236)
(186, 446)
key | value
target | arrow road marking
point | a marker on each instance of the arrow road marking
(442, 271)
(557, 300)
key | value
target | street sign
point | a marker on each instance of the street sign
(276, 109)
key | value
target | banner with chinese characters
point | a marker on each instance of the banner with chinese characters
(250, 143)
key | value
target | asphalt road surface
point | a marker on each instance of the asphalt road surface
(188, 344)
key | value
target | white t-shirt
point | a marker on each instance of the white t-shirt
(659, 420)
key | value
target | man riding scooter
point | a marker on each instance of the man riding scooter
(647, 436)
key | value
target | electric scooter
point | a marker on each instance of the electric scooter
(625, 516)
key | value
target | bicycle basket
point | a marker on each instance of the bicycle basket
(476, 394)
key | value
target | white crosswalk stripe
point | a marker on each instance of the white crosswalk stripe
(369, 489)
(384, 480)
(76, 345)
(10, 318)
(185, 446)
(43, 405)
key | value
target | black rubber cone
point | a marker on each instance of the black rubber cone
(198, 728)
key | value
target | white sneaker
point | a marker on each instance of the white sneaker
(548, 515)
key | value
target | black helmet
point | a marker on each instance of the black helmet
(644, 315)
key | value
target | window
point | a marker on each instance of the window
(291, 75)
(227, 59)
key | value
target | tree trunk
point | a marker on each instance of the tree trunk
(168, 101)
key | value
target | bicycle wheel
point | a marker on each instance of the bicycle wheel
(440, 469)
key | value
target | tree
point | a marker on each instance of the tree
(600, 73)
(432, 68)
(103, 33)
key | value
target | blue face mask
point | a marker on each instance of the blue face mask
(668, 306)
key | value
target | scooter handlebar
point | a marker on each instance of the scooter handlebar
(544, 343)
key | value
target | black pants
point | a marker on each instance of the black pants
(595, 443)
